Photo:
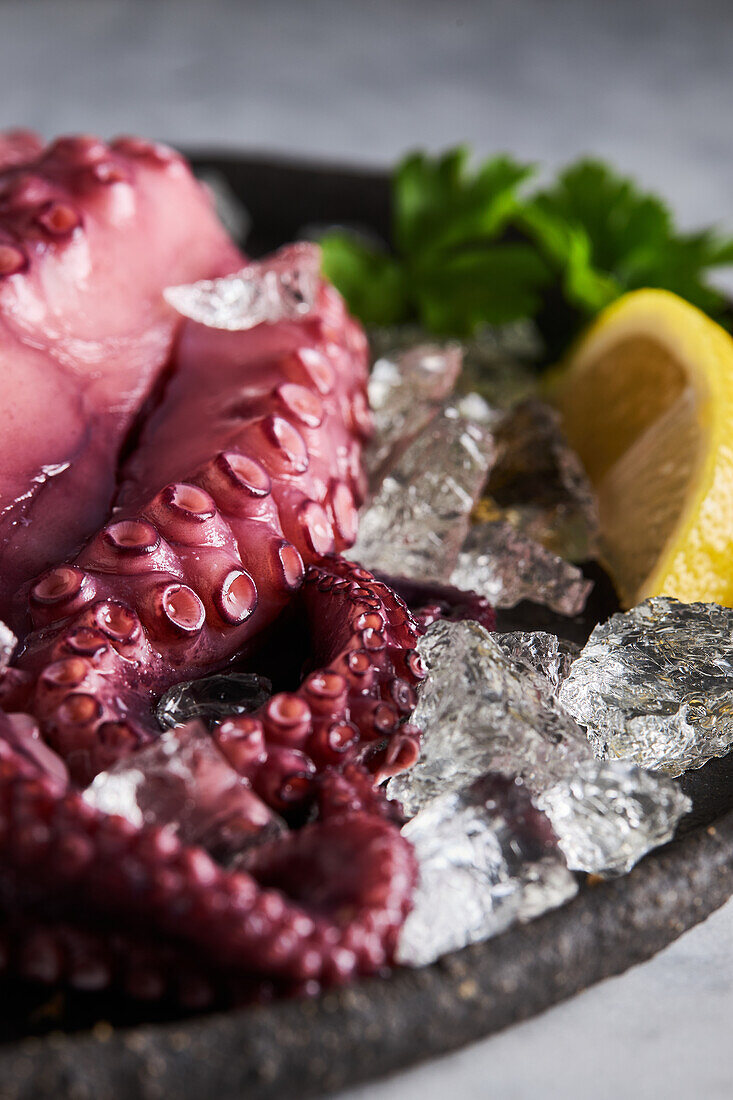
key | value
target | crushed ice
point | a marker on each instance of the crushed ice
(487, 858)
(213, 698)
(182, 780)
(501, 563)
(655, 685)
(281, 287)
(417, 521)
(483, 713)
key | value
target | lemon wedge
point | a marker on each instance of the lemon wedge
(646, 398)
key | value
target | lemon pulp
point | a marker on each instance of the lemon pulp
(647, 401)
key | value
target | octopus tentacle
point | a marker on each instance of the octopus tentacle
(429, 601)
(237, 492)
(90, 235)
(313, 907)
(353, 709)
(18, 147)
(187, 572)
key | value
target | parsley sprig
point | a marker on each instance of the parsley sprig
(475, 246)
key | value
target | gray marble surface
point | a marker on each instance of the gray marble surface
(647, 84)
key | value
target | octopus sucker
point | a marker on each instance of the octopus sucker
(143, 558)
(317, 905)
(90, 236)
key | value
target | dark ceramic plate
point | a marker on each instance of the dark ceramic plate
(68, 1048)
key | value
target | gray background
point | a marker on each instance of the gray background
(647, 84)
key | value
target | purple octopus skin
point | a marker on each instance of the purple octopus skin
(353, 709)
(23, 752)
(233, 486)
(19, 147)
(90, 235)
(429, 602)
(239, 491)
(321, 906)
(313, 908)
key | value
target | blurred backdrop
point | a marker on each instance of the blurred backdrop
(647, 83)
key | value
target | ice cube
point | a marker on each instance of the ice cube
(213, 698)
(482, 712)
(655, 685)
(487, 858)
(538, 484)
(499, 362)
(544, 653)
(184, 781)
(281, 287)
(506, 567)
(416, 523)
(406, 391)
(607, 815)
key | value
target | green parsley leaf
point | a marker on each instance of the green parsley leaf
(439, 204)
(620, 221)
(372, 282)
(471, 247)
(632, 240)
(492, 285)
(568, 249)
